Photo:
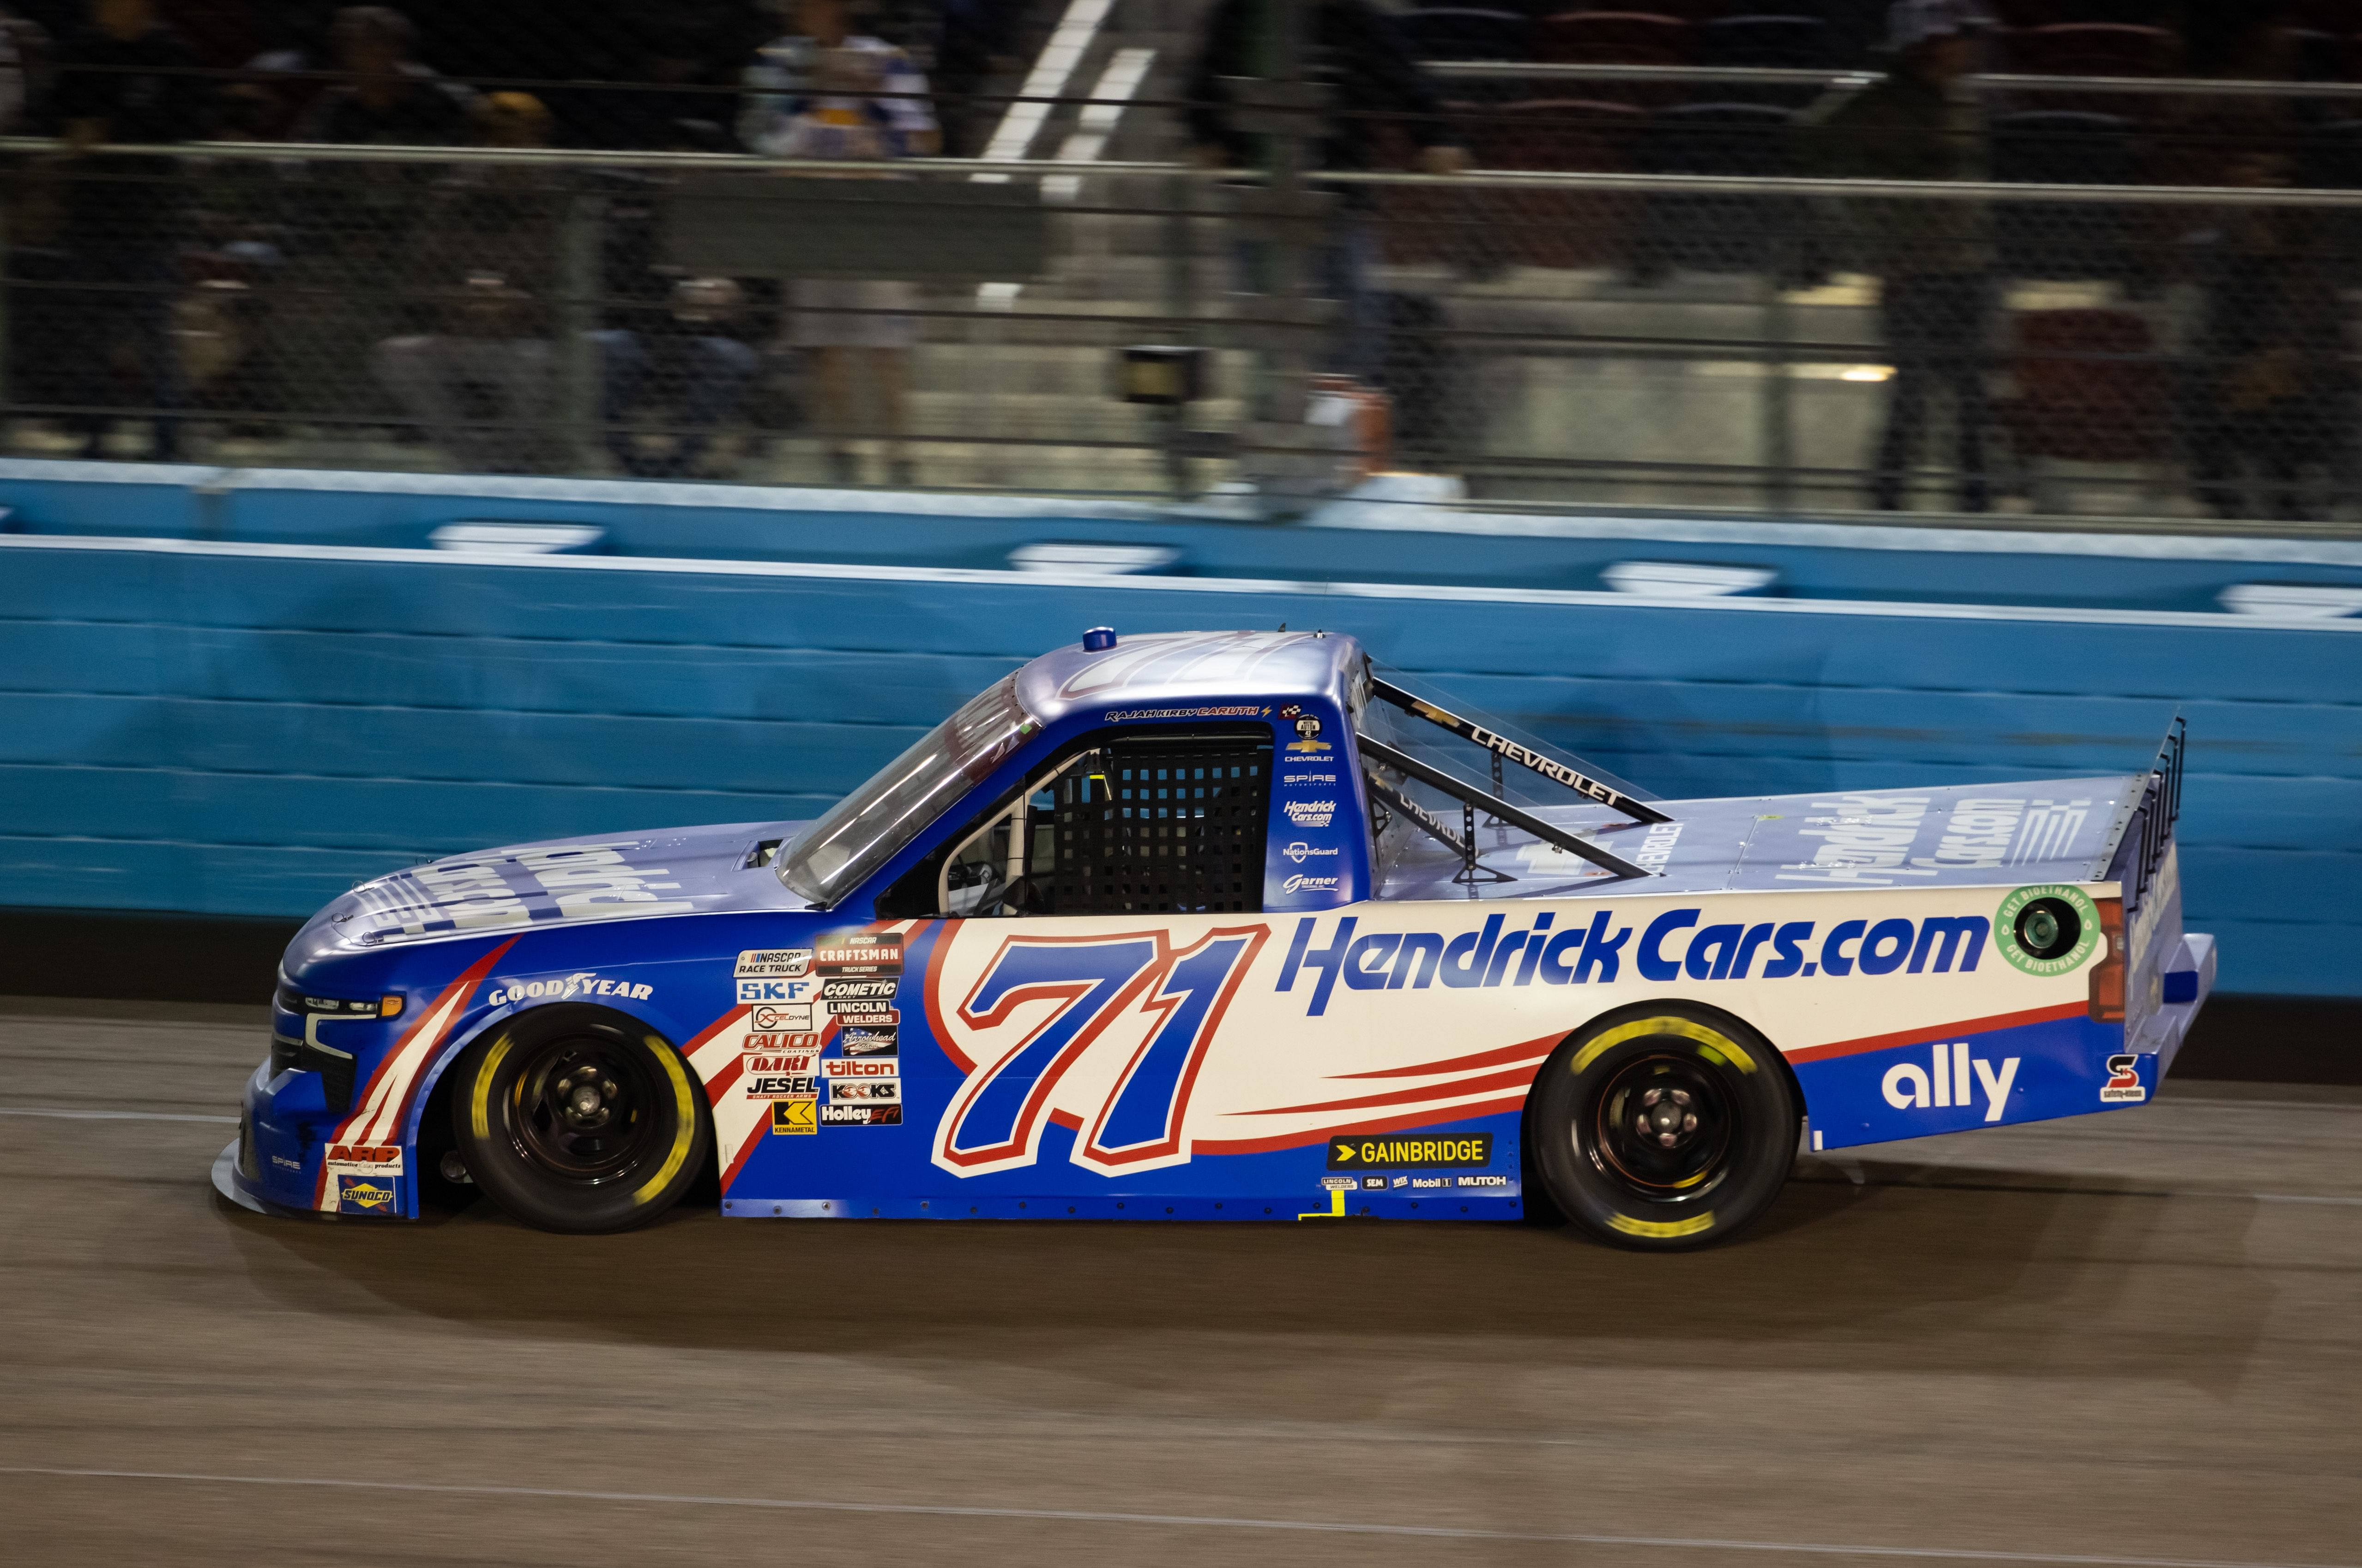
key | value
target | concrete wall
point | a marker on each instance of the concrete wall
(246, 729)
(1366, 541)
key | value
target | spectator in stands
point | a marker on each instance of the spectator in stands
(827, 91)
(978, 44)
(386, 99)
(127, 78)
(2270, 384)
(1922, 121)
(699, 365)
(1355, 49)
(480, 383)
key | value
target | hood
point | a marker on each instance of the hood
(568, 881)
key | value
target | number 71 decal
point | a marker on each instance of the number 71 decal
(1127, 1024)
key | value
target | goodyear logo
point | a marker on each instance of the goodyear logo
(1448, 1152)
(795, 1116)
(364, 1195)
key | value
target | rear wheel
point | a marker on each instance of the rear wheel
(578, 1120)
(1663, 1129)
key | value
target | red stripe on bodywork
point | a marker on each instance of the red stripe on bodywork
(467, 982)
(1940, 1031)
(1517, 1052)
(1383, 1124)
(1516, 1077)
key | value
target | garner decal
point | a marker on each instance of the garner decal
(1451, 1151)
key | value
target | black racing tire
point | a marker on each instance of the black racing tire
(1663, 1127)
(579, 1119)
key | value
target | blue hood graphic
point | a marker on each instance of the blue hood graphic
(571, 881)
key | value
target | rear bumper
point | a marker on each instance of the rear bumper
(2183, 986)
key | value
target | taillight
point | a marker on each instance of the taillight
(2108, 973)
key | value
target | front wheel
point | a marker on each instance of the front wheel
(1663, 1129)
(578, 1120)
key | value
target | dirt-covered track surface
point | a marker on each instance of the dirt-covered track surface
(2129, 1338)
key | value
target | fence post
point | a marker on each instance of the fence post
(1181, 308)
(1779, 434)
(576, 406)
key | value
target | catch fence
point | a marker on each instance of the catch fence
(1546, 332)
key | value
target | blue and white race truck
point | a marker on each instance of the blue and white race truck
(1227, 926)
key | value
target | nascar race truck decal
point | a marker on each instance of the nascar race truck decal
(1227, 925)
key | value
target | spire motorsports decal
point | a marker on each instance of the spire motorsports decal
(2006, 928)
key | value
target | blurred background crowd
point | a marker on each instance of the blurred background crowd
(535, 311)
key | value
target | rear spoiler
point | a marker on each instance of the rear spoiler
(1470, 797)
(1501, 747)
(2157, 803)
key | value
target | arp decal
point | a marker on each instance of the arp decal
(1064, 997)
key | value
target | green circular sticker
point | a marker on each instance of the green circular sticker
(2086, 916)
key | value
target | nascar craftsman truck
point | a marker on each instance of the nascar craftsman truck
(1229, 926)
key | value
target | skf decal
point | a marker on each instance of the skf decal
(1944, 1081)
(1132, 995)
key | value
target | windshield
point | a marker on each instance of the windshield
(866, 829)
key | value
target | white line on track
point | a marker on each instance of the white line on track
(62, 1114)
(1180, 1521)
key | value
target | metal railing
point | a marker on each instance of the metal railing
(1550, 337)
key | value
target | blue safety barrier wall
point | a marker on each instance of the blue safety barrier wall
(246, 729)
(1369, 541)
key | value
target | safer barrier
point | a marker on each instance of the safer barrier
(246, 729)
(1409, 541)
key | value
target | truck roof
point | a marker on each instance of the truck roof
(1165, 670)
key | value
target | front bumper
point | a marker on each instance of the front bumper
(283, 1159)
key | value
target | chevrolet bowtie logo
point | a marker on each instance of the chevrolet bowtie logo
(1342, 1154)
